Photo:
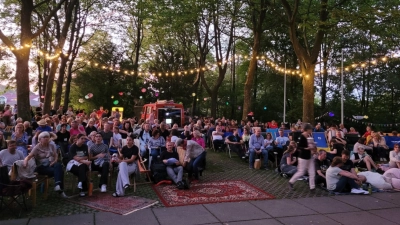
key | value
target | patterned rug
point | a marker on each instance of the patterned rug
(210, 192)
(120, 205)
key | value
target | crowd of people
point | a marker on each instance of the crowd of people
(100, 142)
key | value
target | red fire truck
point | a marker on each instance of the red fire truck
(167, 111)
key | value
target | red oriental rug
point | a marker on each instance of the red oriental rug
(210, 192)
(119, 205)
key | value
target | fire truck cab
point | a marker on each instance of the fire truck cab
(166, 111)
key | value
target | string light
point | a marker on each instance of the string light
(263, 58)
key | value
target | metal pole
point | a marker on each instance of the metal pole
(341, 93)
(284, 96)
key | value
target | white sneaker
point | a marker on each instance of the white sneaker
(82, 194)
(57, 188)
(359, 191)
(63, 195)
(103, 188)
(80, 185)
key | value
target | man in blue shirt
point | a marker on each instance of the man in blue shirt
(43, 126)
(144, 138)
(281, 144)
(318, 128)
(256, 148)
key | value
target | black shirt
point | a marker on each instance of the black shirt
(164, 134)
(348, 165)
(303, 153)
(107, 135)
(168, 155)
(127, 152)
(322, 165)
(130, 130)
(339, 148)
(89, 129)
(81, 151)
(62, 137)
(234, 138)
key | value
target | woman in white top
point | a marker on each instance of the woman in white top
(394, 157)
(337, 179)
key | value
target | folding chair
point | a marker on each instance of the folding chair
(12, 192)
(141, 170)
(39, 179)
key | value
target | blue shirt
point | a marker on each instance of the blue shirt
(256, 142)
(45, 128)
(145, 138)
(281, 141)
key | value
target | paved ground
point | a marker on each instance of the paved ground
(298, 207)
(380, 208)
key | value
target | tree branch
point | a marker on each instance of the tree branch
(47, 20)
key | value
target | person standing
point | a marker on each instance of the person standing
(305, 162)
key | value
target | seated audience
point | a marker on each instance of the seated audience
(115, 141)
(394, 157)
(144, 138)
(321, 165)
(127, 164)
(379, 147)
(3, 142)
(268, 142)
(218, 138)
(339, 180)
(347, 164)
(336, 148)
(174, 168)
(235, 143)
(363, 160)
(281, 143)
(256, 148)
(156, 144)
(21, 138)
(46, 158)
(100, 157)
(79, 163)
(288, 169)
(361, 142)
(318, 128)
(10, 155)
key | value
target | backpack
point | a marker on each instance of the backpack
(159, 172)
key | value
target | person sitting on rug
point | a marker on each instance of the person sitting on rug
(375, 179)
(127, 165)
(337, 180)
(100, 156)
(79, 163)
(287, 162)
(235, 143)
(195, 157)
(363, 160)
(321, 165)
(347, 164)
(174, 168)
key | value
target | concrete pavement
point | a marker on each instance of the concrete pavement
(379, 208)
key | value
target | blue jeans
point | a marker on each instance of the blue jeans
(252, 155)
(56, 171)
(343, 182)
(155, 152)
(196, 163)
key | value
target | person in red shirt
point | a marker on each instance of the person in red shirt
(368, 132)
(100, 112)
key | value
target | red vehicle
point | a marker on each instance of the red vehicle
(167, 111)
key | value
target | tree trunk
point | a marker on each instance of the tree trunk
(54, 64)
(249, 85)
(308, 93)
(23, 90)
(68, 85)
(214, 102)
(60, 82)
(324, 80)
